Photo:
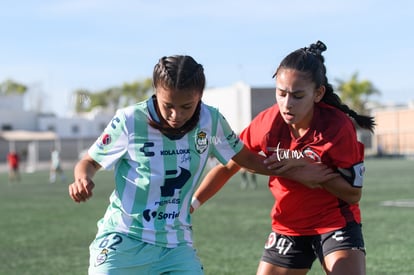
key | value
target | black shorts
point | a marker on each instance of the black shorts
(301, 251)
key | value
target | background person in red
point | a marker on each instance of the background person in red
(13, 161)
(310, 218)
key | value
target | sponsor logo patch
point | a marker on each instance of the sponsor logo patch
(104, 140)
(149, 215)
(271, 240)
(308, 152)
(338, 236)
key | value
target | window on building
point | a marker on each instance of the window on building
(6, 127)
(51, 128)
(75, 129)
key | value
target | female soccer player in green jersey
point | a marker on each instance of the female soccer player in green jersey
(159, 149)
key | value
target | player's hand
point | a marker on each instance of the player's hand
(312, 175)
(280, 166)
(81, 189)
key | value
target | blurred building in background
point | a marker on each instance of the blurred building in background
(239, 103)
(34, 135)
(394, 133)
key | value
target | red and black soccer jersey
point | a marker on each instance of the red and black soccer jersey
(331, 139)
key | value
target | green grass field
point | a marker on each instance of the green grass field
(43, 232)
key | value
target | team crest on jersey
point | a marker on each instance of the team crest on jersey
(201, 142)
(101, 258)
(308, 152)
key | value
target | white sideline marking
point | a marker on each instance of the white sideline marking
(399, 203)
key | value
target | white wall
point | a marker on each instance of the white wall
(75, 127)
(233, 102)
(12, 114)
(18, 120)
(11, 102)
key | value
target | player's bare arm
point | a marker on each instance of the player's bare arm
(220, 174)
(317, 175)
(342, 189)
(81, 189)
(311, 174)
(214, 181)
(257, 163)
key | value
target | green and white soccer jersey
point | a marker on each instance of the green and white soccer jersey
(155, 176)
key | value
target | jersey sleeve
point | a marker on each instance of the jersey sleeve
(112, 144)
(251, 138)
(253, 135)
(226, 144)
(347, 154)
(346, 151)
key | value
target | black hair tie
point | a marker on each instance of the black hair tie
(316, 48)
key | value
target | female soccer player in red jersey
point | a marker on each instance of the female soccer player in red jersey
(309, 124)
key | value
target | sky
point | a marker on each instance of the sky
(58, 46)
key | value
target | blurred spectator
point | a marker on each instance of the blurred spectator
(13, 161)
(245, 181)
(56, 167)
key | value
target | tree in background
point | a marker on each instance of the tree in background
(114, 97)
(11, 87)
(356, 93)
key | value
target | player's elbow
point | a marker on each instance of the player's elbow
(354, 197)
